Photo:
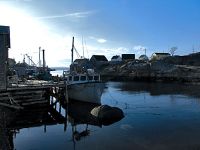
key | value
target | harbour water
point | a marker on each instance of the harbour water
(158, 116)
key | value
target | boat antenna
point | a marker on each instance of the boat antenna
(72, 50)
(83, 46)
(86, 49)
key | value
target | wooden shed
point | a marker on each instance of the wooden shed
(4, 45)
(128, 57)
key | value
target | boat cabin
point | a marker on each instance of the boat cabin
(81, 78)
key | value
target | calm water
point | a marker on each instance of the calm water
(158, 116)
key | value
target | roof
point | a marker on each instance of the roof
(115, 57)
(100, 57)
(81, 60)
(162, 53)
(143, 57)
(128, 56)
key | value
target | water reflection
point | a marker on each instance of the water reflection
(160, 88)
(43, 115)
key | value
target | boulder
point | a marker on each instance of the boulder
(107, 115)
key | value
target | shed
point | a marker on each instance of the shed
(98, 60)
(81, 65)
(128, 56)
(4, 45)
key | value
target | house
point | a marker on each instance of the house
(144, 58)
(128, 57)
(81, 65)
(159, 56)
(98, 60)
(116, 58)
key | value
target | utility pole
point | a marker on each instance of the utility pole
(72, 50)
(83, 47)
(43, 52)
(39, 57)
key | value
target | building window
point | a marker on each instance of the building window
(96, 78)
(90, 77)
(76, 78)
(70, 78)
(83, 78)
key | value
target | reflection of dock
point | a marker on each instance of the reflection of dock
(12, 121)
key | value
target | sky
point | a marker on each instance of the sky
(106, 27)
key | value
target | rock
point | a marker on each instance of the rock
(107, 115)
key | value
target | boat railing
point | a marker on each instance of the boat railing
(82, 78)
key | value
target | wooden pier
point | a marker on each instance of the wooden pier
(22, 95)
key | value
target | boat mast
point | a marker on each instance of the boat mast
(72, 50)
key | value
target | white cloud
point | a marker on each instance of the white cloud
(99, 40)
(73, 15)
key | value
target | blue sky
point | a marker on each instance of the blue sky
(109, 27)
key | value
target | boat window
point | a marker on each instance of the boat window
(70, 78)
(76, 78)
(90, 77)
(83, 78)
(96, 77)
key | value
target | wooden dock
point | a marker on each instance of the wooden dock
(21, 95)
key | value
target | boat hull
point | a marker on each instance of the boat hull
(86, 92)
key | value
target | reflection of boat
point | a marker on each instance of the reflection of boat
(82, 82)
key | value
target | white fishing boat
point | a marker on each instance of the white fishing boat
(84, 85)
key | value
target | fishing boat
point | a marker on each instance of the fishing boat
(82, 82)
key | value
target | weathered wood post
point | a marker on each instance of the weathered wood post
(66, 94)
(66, 108)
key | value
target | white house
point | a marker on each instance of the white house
(116, 58)
(143, 57)
(158, 56)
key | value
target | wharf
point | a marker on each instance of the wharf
(18, 96)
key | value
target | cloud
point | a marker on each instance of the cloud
(99, 40)
(139, 47)
(73, 15)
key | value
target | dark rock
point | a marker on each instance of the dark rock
(107, 115)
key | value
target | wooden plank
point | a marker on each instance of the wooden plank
(32, 87)
(36, 102)
(11, 106)
(31, 100)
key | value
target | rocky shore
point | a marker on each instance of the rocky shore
(174, 68)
